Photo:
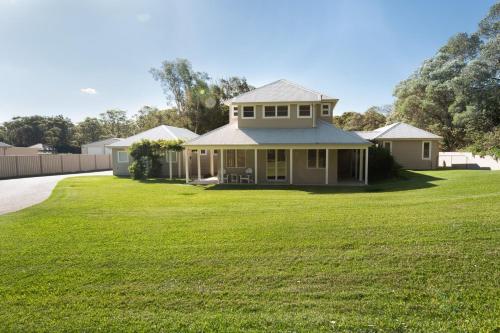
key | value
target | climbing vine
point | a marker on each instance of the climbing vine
(147, 155)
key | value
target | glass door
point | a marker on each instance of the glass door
(276, 165)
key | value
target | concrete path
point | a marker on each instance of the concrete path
(19, 193)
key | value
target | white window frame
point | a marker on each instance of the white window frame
(234, 109)
(317, 160)
(275, 111)
(243, 111)
(310, 111)
(276, 167)
(203, 152)
(390, 145)
(327, 111)
(169, 154)
(120, 153)
(430, 150)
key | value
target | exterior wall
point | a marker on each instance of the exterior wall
(261, 122)
(302, 175)
(466, 160)
(408, 153)
(20, 151)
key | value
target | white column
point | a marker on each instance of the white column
(326, 169)
(169, 163)
(179, 160)
(366, 166)
(291, 166)
(186, 165)
(360, 173)
(198, 153)
(255, 164)
(221, 174)
(212, 163)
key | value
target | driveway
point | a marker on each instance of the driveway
(19, 193)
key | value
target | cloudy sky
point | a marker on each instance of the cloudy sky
(79, 58)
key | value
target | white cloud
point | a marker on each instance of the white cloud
(143, 17)
(88, 91)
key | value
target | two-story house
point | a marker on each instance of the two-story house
(280, 133)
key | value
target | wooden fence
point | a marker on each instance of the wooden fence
(24, 166)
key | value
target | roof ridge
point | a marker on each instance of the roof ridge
(169, 131)
(302, 87)
(391, 126)
(247, 92)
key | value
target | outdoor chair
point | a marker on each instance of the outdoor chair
(247, 177)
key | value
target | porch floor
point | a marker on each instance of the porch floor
(205, 181)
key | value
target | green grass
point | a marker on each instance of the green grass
(112, 254)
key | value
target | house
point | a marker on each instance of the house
(281, 133)
(173, 165)
(43, 149)
(3, 148)
(411, 147)
(99, 147)
(8, 150)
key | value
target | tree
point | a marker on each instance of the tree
(149, 117)
(89, 130)
(373, 119)
(116, 124)
(3, 134)
(368, 121)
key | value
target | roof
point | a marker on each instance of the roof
(398, 131)
(279, 91)
(324, 133)
(4, 145)
(104, 142)
(162, 132)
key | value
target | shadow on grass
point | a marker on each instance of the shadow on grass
(162, 181)
(408, 180)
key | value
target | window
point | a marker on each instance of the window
(275, 111)
(122, 157)
(426, 150)
(235, 111)
(171, 155)
(304, 111)
(203, 152)
(269, 111)
(387, 145)
(249, 112)
(236, 158)
(316, 158)
(325, 110)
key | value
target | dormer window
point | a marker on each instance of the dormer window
(275, 111)
(325, 110)
(304, 111)
(248, 112)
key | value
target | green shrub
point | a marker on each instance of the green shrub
(147, 155)
(381, 164)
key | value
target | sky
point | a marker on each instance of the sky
(80, 58)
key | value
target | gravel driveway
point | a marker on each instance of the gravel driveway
(19, 193)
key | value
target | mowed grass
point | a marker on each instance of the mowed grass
(113, 254)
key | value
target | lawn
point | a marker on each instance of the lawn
(113, 254)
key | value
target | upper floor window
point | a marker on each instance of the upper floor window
(325, 110)
(426, 150)
(304, 111)
(235, 111)
(316, 158)
(275, 111)
(248, 112)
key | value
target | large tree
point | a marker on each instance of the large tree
(456, 93)
(89, 130)
(116, 124)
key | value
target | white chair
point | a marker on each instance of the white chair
(247, 177)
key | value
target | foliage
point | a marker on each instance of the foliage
(456, 92)
(381, 164)
(110, 254)
(146, 155)
(486, 143)
(372, 119)
(197, 99)
(3, 134)
(116, 124)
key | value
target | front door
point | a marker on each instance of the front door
(276, 165)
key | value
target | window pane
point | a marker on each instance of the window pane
(387, 145)
(241, 158)
(322, 158)
(271, 156)
(230, 162)
(282, 111)
(426, 149)
(325, 109)
(311, 158)
(281, 155)
(304, 110)
(248, 112)
(269, 111)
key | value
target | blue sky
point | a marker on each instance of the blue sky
(79, 58)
